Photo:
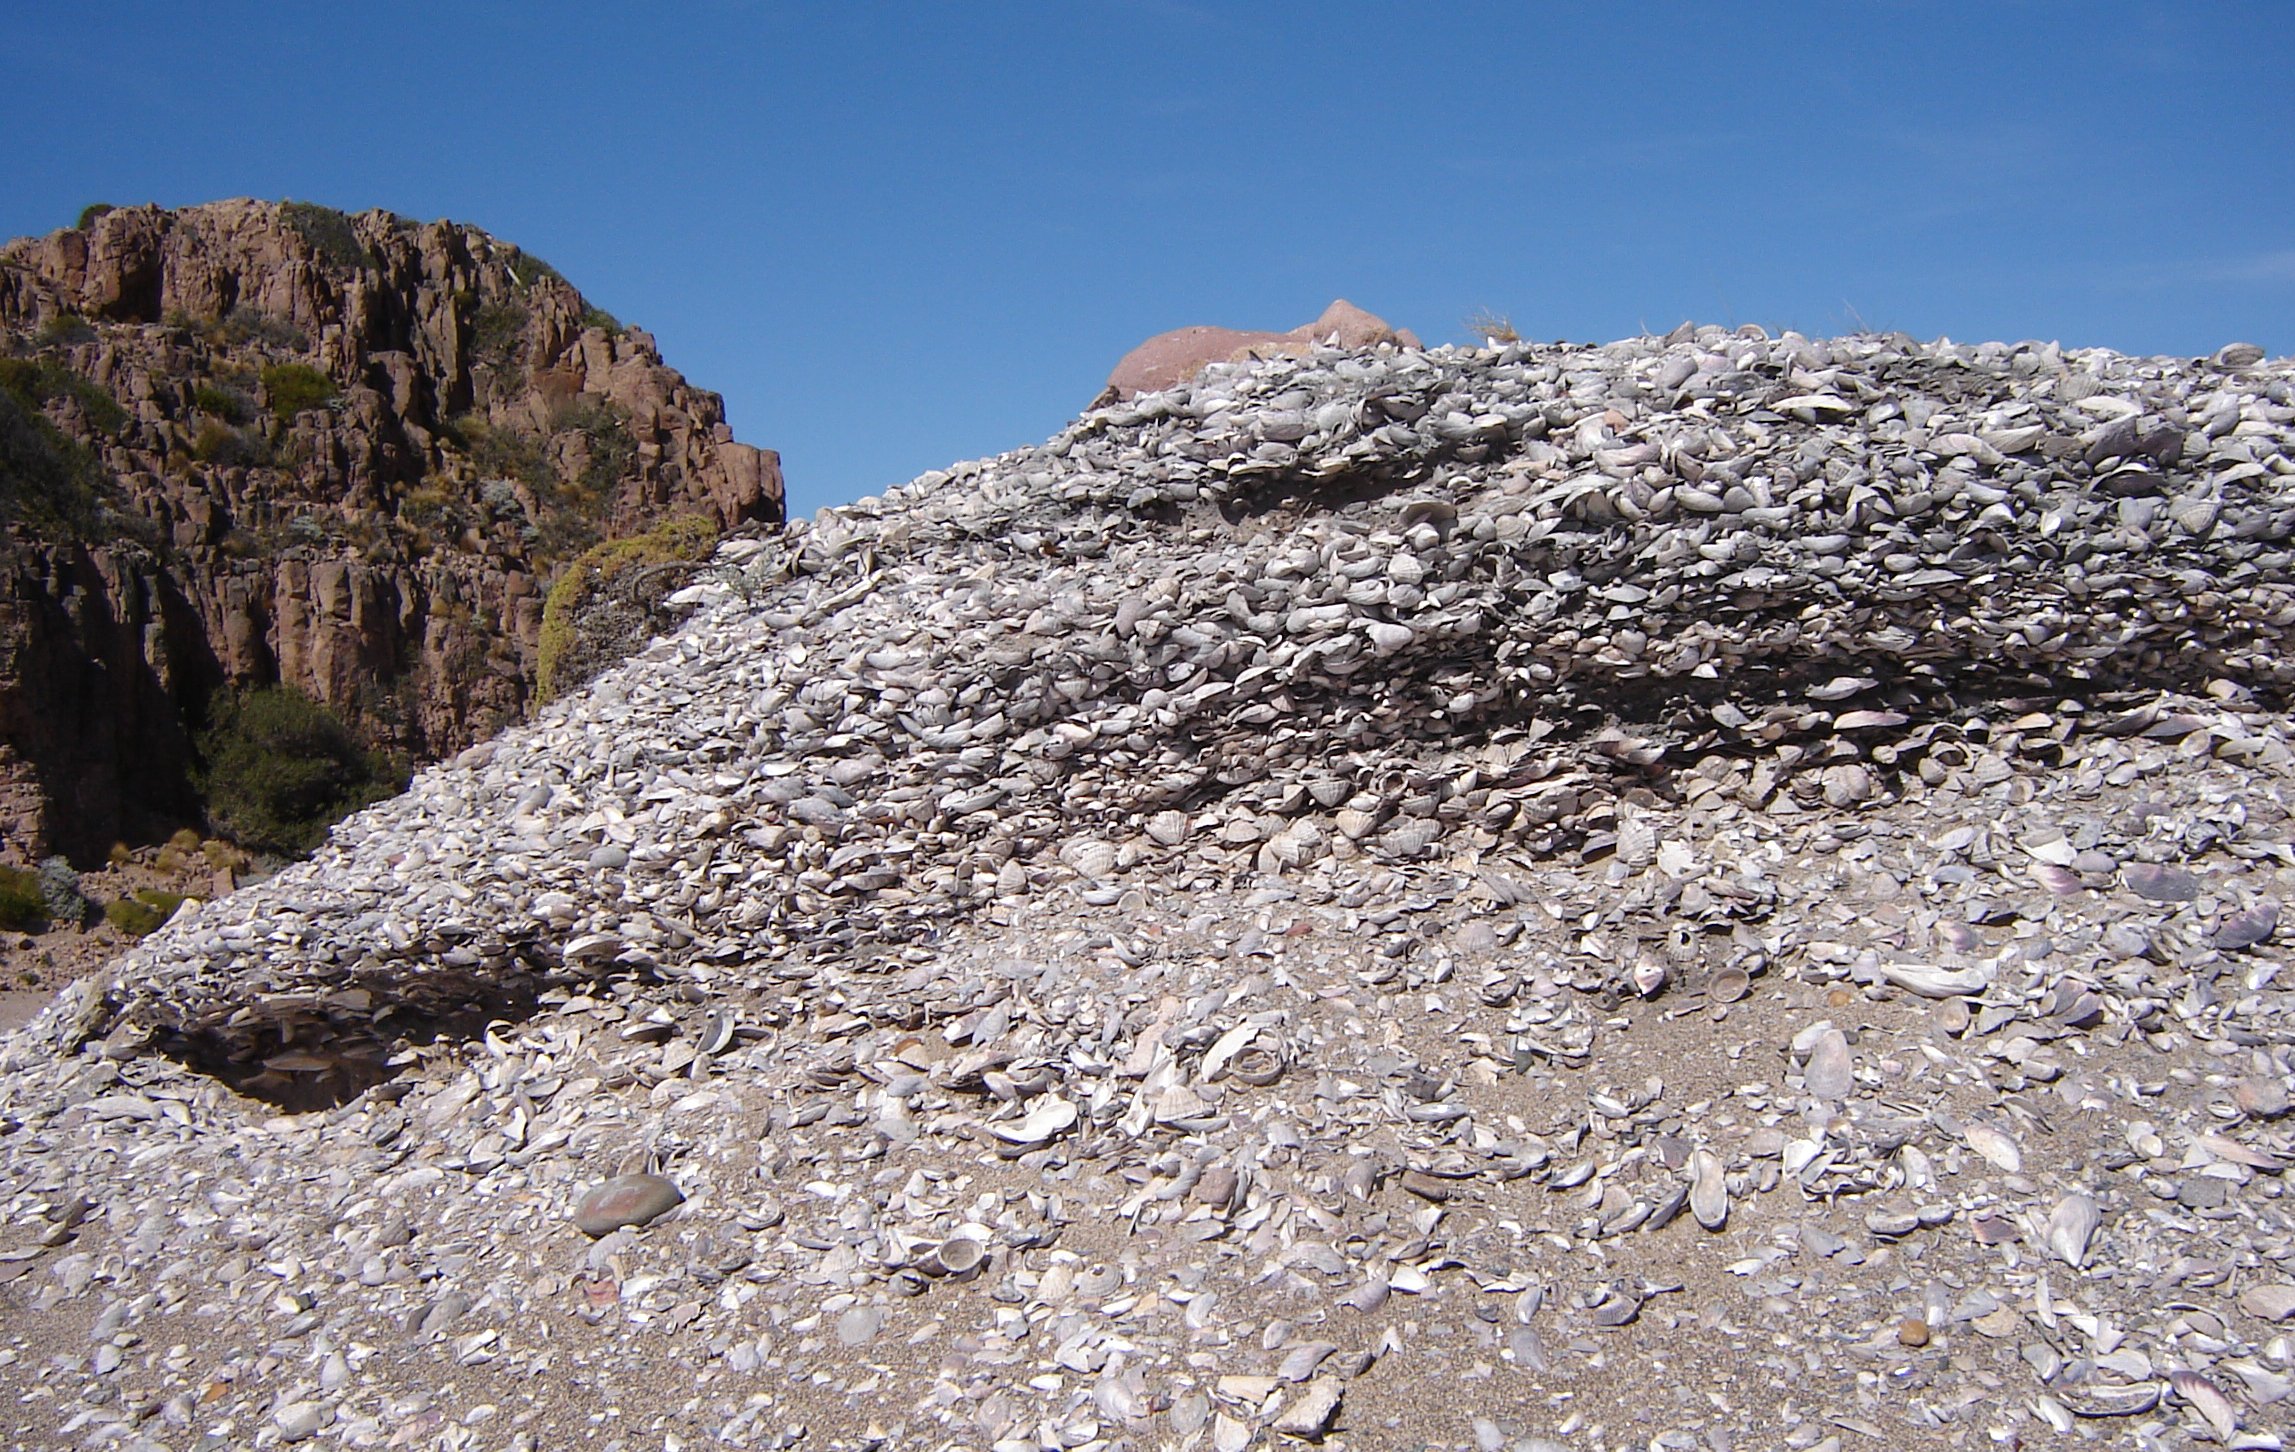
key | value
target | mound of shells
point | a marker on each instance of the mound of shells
(1376, 604)
(1384, 899)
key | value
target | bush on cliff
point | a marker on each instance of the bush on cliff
(296, 387)
(328, 232)
(38, 382)
(221, 400)
(49, 485)
(566, 658)
(278, 769)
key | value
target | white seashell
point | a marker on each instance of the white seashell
(2072, 1227)
(1930, 982)
(1355, 825)
(1091, 857)
(2222, 1417)
(1708, 1191)
(1996, 1147)
(1049, 1116)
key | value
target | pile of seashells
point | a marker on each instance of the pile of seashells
(1708, 891)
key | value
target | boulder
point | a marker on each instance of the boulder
(1174, 357)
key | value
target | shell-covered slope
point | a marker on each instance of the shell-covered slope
(1392, 603)
(1621, 897)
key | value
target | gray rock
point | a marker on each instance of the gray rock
(632, 1200)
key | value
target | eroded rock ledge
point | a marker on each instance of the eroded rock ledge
(279, 444)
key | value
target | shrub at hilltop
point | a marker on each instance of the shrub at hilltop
(278, 769)
(328, 231)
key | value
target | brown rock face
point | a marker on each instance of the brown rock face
(1176, 356)
(249, 443)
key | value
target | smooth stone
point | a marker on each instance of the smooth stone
(626, 1200)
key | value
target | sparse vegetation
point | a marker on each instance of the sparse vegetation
(49, 483)
(224, 857)
(294, 388)
(606, 440)
(244, 324)
(60, 890)
(225, 447)
(278, 769)
(37, 382)
(23, 907)
(682, 538)
(90, 212)
(597, 317)
(504, 452)
(526, 269)
(142, 914)
(498, 331)
(224, 402)
(63, 330)
(328, 232)
(1491, 327)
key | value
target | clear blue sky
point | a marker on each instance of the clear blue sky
(896, 235)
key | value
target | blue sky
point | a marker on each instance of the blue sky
(896, 235)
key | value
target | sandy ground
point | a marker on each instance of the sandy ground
(17, 1007)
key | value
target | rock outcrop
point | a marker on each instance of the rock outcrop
(1174, 357)
(249, 443)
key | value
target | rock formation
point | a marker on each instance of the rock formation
(250, 443)
(1174, 357)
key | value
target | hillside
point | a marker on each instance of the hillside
(247, 444)
(1713, 891)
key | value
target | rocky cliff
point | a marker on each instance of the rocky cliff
(248, 443)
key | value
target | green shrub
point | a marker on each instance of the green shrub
(37, 382)
(133, 918)
(278, 769)
(505, 452)
(63, 330)
(526, 269)
(498, 331)
(23, 907)
(611, 449)
(295, 387)
(90, 212)
(597, 317)
(228, 404)
(683, 537)
(49, 483)
(328, 232)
